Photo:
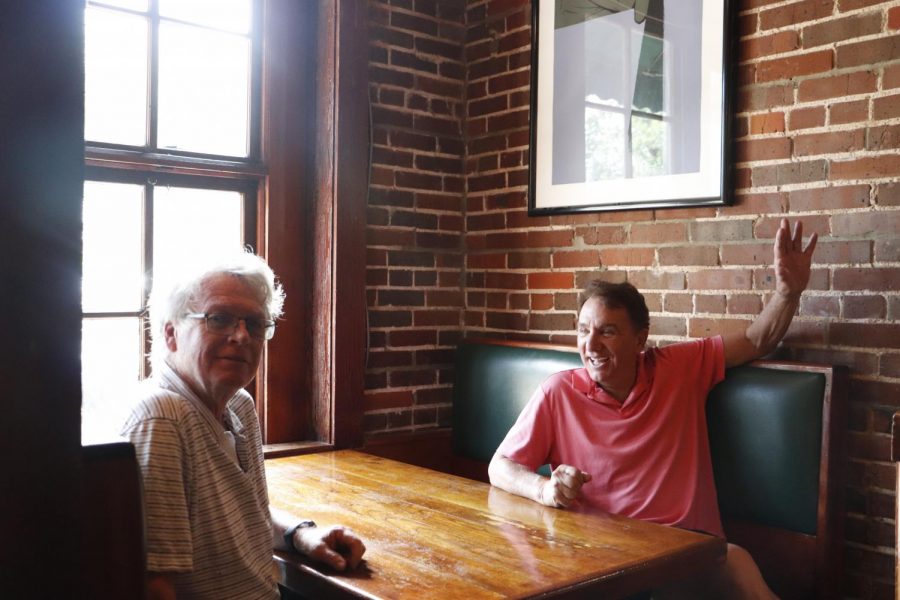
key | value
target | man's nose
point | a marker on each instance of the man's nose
(240, 333)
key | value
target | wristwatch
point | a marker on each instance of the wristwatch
(289, 533)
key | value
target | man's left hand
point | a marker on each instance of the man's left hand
(336, 546)
(792, 261)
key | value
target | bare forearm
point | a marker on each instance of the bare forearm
(515, 478)
(767, 330)
(764, 333)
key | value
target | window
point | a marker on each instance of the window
(172, 148)
(289, 181)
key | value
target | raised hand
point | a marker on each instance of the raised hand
(792, 261)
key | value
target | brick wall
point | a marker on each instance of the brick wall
(415, 211)
(453, 251)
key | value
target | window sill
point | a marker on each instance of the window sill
(295, 448)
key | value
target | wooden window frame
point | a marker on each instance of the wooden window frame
(314, 117)
(310, 216)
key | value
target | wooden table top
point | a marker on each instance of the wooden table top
(433, 535)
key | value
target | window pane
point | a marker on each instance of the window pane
(193, 225)
(140, 5)
(115, 77)
(110, 369)
(604, 144)
(204, 90)
(112, 260)
(233, 15)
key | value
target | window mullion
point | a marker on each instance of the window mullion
(153, 104)
(147, 267)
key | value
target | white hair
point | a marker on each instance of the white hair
(170, 301)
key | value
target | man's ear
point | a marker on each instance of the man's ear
(643, 335)
(171, 341)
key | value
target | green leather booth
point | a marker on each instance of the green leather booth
(767, 427)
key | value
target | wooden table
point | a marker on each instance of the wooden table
(433, 535)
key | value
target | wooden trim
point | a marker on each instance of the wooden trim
(294, 449)
(155, 162)
(286, 138)
(351, 168)
(522, 344)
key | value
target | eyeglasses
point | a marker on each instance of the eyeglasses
(225, 324)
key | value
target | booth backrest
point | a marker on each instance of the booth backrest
(775, 435)
(114, 542)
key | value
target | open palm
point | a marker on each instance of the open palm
(792, 261)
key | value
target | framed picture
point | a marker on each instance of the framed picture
(630, 104)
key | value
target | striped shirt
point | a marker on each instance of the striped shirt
(208, 522)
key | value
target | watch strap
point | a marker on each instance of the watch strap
(289, 533)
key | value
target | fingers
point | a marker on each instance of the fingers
(564, 485)
(811, 246)
(338, 547)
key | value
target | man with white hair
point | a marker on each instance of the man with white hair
(210, 530)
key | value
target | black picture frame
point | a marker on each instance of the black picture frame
(649, 130)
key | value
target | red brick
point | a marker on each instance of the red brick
(879, 223)
(891, 77)
(542, 301)
(887, 250)
(632, 256)
(848, 84)
(679, 303)
(776, 43)
(867, 335)
(710, 303)
(601, 235)
(538, 281)
(870, 52)
(829, 198)
(528, 260)
(883, 137)
(689, 255)
(794, 13)
(762, 149)
(884, 279)
(719, 279)
(747, 254)
(575, 259)
(844, 252)
(754, 204)
(549, 239)
(886, 107)
(655, 280)
(757, 98)
(838, 30)
(434, 318)
(658, 233)
(551, 322)
(506, 321)
(744, 304)
(866, 168)
(855, 111)
(795, 66)
(790, 173)
(887, 194)
(819, 306)
(829, 143)
(894, 18)
(701, 327)
(504, 280)
(864, 307)
(769, 122)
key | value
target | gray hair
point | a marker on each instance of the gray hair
(170, 301)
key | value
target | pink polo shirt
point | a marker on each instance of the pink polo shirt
(649, 455)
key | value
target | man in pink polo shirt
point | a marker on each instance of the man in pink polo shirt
(627, 433)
